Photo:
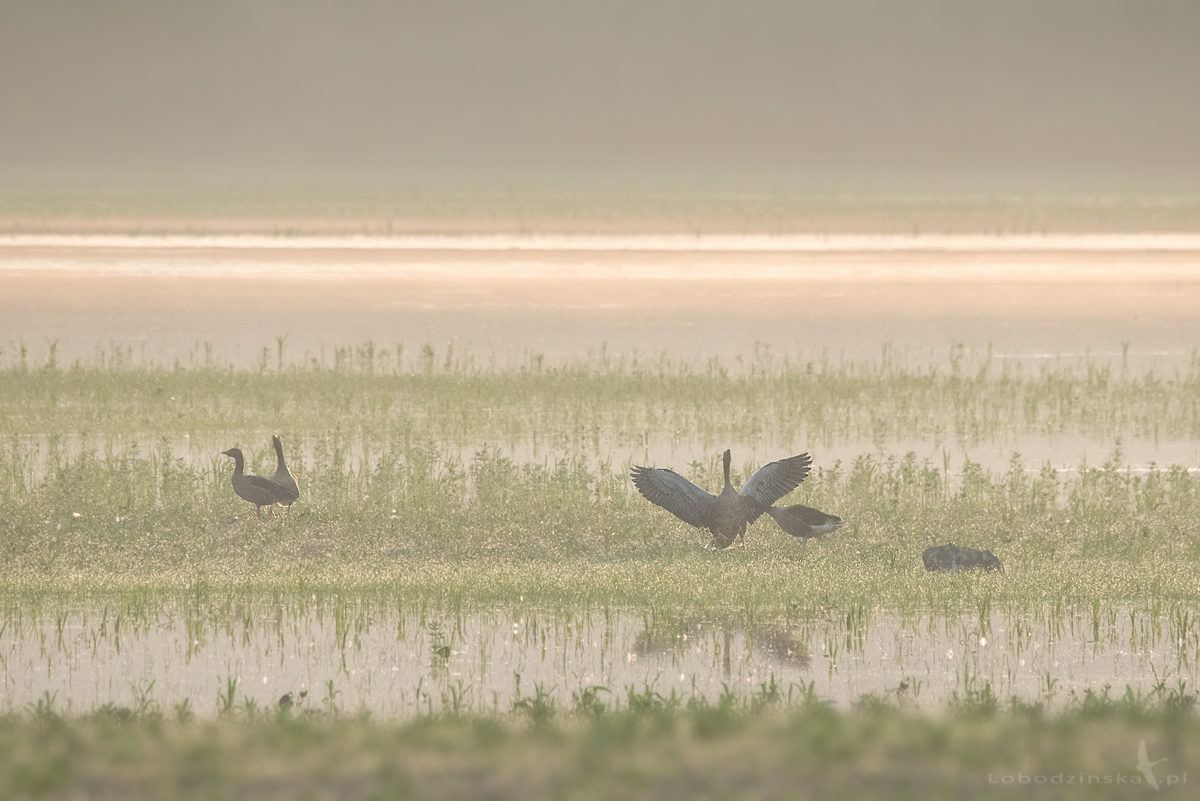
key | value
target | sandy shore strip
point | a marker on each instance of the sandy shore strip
(1116, 257)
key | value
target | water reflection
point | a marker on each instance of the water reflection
(397, 662)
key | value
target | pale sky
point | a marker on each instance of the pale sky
(1091, 90)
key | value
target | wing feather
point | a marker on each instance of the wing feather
(810, 516)
(267, 486)
(287, 486)
(805, 521)
(775, 480)
(676, 494)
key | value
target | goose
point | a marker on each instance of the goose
(725, 515)
(256, 489)
(283, 477)
(804, 521)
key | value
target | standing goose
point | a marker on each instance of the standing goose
(256, 489)
(283, 477)
(725, 515)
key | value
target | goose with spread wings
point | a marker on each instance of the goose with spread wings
(725, 515)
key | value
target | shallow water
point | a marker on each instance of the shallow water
(1064, 453)
(398, 662)
(501, 300)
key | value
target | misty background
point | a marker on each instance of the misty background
(1094, 95)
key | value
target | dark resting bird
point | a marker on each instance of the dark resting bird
(804, 521)
(725, 515)
(256, 489)
(283, 477)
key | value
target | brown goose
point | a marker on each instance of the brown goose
(256, 489)
(804, 521)
(725, 515)
(283, 477)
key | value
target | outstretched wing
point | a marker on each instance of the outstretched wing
(676, 494)
(805, 521)
(773, 481)
(812, 517)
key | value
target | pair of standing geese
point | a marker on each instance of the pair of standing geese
(281, 488)
(725, 515)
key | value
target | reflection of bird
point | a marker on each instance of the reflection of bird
(1146, 767)
(725, 515)
(283, 477)
(666, 636)
(286, 700)
(256, 489)
(804, 521)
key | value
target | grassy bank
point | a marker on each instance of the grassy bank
(642, 745)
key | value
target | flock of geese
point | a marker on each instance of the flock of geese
(725, 515)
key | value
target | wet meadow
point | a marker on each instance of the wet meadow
(469, 566)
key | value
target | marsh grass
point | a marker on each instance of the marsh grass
(493, 528)
(457, 483)
(623, 398)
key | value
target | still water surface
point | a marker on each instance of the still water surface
(182, 300)
(397, 662)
